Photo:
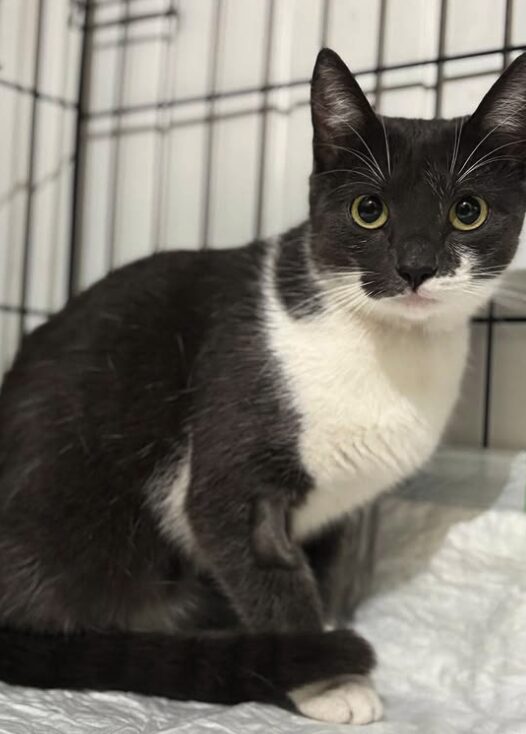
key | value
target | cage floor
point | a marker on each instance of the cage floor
(449, 633)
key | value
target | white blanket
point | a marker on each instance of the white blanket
(451, 642)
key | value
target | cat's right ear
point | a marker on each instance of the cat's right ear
(340, 110)
(502, 112)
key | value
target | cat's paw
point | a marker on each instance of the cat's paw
(353, 701)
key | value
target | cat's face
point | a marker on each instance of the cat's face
(415, 219)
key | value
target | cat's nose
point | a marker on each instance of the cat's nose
(414, 276)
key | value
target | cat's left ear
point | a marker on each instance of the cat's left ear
(503, 110)
(340, 110)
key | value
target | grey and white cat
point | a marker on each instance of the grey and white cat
(178, 445)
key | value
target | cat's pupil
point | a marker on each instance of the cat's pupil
(370, 208)
(468, 210)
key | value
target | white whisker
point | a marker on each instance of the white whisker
(346, 122)
(357, 154)
(456, 145)
(387, 151)
(483, 160)
(477, 146)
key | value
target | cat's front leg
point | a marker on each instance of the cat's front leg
(351, 700)
(243, 539)
(264, 574)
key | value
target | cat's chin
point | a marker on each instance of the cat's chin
(411, 310)
(416, 303)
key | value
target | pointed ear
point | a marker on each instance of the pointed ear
(339, 108)
(503, 109)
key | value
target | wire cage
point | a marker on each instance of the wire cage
(131, 126)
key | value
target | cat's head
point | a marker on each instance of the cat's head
(415, 219)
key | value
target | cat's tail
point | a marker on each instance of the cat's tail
(219, 668)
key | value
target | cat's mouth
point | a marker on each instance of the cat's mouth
(420, 299)
(415, 306)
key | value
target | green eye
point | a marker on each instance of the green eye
(369, 211)
(470, 212)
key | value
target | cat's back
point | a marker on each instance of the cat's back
(147, 294)
(110, 373)
(150, 315)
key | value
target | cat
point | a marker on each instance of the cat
(180, 442)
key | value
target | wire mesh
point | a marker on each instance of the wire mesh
(137, 125)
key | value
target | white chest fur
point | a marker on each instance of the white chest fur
(372, 399)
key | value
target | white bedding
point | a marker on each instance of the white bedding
(451, 642)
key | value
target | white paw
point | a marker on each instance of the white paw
(353, 701)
